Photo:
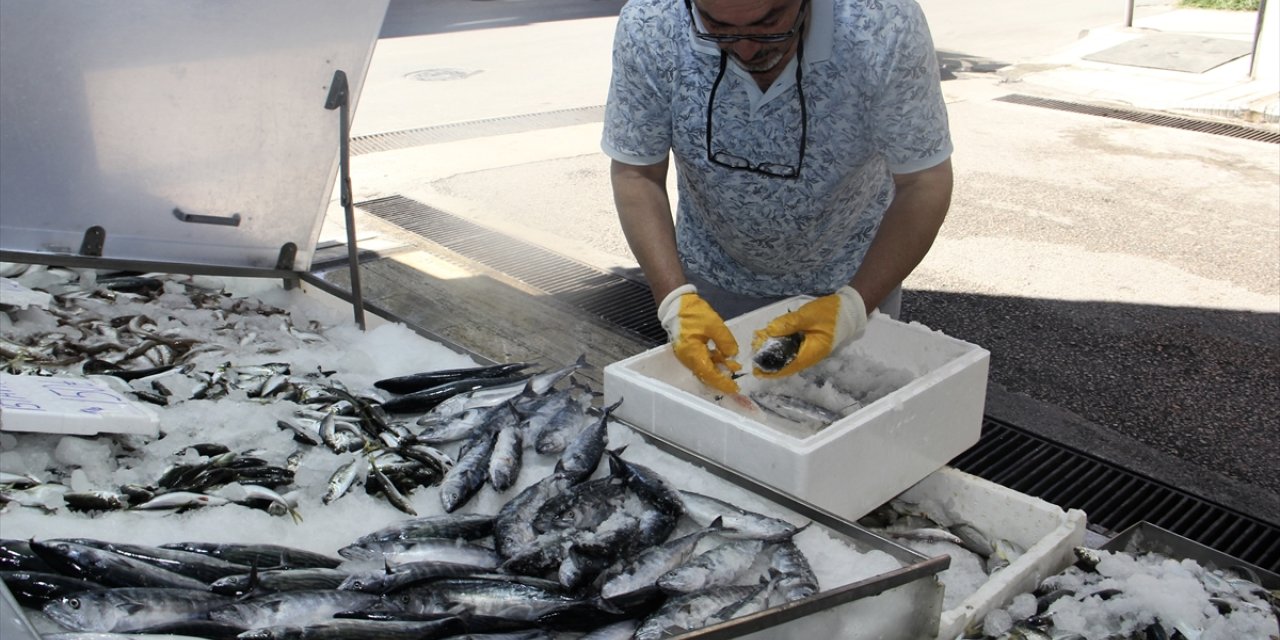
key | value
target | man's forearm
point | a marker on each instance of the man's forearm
(644, 210)
(906, 233)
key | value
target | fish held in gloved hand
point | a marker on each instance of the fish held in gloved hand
(774, 353)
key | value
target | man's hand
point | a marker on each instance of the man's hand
(827, 323)
(693, 326)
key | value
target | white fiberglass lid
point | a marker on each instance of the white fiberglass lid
(189, 132)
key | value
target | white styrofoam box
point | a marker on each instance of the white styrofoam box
(74, 406)
(1048, 534)
(853, 465)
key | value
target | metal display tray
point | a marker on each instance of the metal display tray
(1148, 537)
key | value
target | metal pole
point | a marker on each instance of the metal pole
(1257, 37)
(1128, 13)
(340, 99)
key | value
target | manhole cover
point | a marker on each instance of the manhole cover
(440, 75)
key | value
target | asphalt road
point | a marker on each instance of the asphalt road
(1125, 277)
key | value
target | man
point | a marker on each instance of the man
(812, 156)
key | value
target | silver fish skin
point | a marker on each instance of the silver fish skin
(275, 580)
(581, 507)
(736, 522)
(756, 601)
(689, 611)
(262, 556)
(441, 430)
(467, 526)
(505, 461)
(795, 579)
(468, 475)
(623, 630)
(291, 608)
(131, 609)
(110, 568)
(387, 580)
(797, 410)
(187, 563)
(647, 483)
(581, 456)
(399, 552)
(718, 566)
(513, 531)
(560, 428)
(487, 597)
(390, 492)
(360, 630)
(642, 572)
(344, 477)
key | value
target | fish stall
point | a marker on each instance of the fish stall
(198, 441)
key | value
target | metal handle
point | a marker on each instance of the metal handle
(232, 220)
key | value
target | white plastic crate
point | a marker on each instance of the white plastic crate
(854, 464)
(1046, 532)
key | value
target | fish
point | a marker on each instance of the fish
(505, 461)
(187, 563)
(274, 580)
(263, 556)
(513, 531)
(131, 609)
(344, 477)
(717, 566)
(639, 576)
(647, 483)
(689, 611)
(498, 598)
(391, 579)
(291, 608)
(361, 630)
(467, 526)
(795, 579)
(469, 474)
(398, 552)
(418, 381)
(735, 522)
(581, 456)
(34, 589)
(428, 399)
(776, 352)
(797, 410)
(109, 568)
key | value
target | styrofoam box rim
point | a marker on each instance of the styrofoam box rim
(972, 355)
(1049, 555)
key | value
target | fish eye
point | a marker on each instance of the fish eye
(74, 603)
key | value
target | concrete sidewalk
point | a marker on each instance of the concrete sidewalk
(1225, 91)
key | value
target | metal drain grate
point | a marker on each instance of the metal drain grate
(1113, 498)
(474, 129)
(1158, 119)
(612, 298)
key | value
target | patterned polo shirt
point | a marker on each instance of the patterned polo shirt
(875, 107)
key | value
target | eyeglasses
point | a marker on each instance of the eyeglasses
(731, 161)
(764, 37)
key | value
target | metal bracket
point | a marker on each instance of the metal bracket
(339, 98)
(95, 238)
(232, 220)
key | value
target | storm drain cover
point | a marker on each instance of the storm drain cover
(1174, 52)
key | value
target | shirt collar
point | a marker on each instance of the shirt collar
(818, 39)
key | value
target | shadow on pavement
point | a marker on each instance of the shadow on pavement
(417, 18)
(1197, 385)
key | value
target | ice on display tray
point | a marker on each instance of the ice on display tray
(852, 465)
(72, 406)
(1045, 531)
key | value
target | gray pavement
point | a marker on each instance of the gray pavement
(1125, 277)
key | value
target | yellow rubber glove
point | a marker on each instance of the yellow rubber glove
(699, 337)
(828, 323)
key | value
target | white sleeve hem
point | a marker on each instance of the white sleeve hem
(923, 163)
(626, 158)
